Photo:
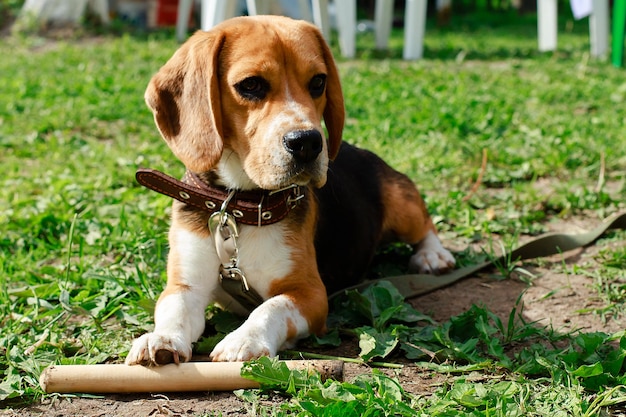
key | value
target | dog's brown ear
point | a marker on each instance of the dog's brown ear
(334, 112)
(184, 97)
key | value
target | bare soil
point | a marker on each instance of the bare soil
(554, 297)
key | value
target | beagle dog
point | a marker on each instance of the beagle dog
(269, 201)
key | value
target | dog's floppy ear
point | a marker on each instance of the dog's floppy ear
(184, 97)
(334, 112)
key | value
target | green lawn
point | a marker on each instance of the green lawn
(82, 246)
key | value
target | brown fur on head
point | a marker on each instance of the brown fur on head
(200, 110)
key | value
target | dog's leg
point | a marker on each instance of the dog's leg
(179, 321)
(406, 217)
(296, 303)
(276, 324)
(180, 312)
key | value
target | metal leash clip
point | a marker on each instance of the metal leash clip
(225, 233)
(223, 227)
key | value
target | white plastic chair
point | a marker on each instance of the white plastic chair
(598, 26)
(414, 26)
(214, 11)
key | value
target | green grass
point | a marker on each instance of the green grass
(490, 380)
(82, 246)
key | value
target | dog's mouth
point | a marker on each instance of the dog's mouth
(314, 175)
(294, 174)
(300, 174)
(270, 172)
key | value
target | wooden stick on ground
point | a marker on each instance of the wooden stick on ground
(191, 376)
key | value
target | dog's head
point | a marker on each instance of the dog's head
(247, 100)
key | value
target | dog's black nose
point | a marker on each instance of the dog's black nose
(304, 145)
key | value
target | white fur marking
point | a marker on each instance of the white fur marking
(431, 256)
(269, 163)
(179, 321)
(199, 264)
(264, 333)
(231, 172)
(179, 317)
(264, 255)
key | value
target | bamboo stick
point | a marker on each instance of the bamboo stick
(190, 376)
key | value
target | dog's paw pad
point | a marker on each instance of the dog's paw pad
(158, 349)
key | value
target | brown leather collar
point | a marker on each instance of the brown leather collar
(257, 207)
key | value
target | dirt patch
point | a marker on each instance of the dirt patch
(555, 297)
(558, 299)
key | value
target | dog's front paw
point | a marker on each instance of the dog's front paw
(158, 349)
(242, 346)
(431, 257)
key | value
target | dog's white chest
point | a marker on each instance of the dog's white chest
(264, 255)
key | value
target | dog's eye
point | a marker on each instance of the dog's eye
(253, 88)
(317, 85)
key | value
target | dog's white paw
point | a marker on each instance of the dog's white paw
(158, 349)
(431, 257)
(242, 345)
